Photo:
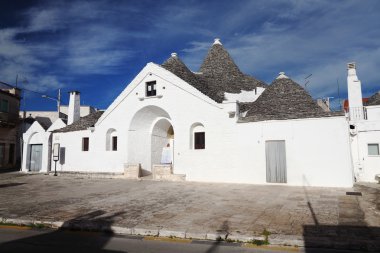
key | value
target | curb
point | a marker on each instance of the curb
(158, 233)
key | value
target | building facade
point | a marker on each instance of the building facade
(215, 125)
(9, 125)
(364, 126)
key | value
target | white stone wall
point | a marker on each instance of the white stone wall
(244, 96)
(373, 113)
(366, 166)
(36, 135)
(317, 149)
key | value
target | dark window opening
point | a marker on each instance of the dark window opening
(114, 143)
(4, 107)
(199, 140)
(85, 144)
(151, 89)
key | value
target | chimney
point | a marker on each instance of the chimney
(74, 107)
(354, 90)
(354, 87)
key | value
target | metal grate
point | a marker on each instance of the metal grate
(354, 193)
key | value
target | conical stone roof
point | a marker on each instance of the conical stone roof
(177, 67)
(222, 73)
(374, 99)
(283, 99)
(218, 74)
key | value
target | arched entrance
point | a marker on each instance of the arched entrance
(150, 131)
(162, 140)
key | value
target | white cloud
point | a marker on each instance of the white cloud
(300, 38)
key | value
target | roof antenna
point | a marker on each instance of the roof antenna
(307, 81)
(340, 102)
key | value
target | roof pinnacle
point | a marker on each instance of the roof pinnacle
(282, 75)
(217, 41)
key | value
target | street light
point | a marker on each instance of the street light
(58, 100)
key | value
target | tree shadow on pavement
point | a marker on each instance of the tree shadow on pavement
(65, 240)
(223, 229)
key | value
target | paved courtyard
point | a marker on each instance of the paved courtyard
(192, 207)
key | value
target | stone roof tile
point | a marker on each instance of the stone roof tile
(82, 124)
(284, 99)
(218, 74)
(374, 99)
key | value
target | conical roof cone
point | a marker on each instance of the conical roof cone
(284, 99)
(223, 74)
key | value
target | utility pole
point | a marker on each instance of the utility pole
(59, 103)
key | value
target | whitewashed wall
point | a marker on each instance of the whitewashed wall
(317, 149)
(373, 112)
(366, 166)
(36, 135)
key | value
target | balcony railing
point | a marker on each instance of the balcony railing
(357, 113)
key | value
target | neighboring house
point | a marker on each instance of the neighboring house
(37, 145)
(9, 111)
(364, 123)
(38, 127)
(48, 117)
(215, 125)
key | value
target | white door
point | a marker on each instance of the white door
(35, 157)
(275, 161)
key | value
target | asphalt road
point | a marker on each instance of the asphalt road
(41, 240)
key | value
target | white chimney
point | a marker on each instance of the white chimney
(74, 107)
(354, 88)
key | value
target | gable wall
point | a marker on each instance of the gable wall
(183, 103)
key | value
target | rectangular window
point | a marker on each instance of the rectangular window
(151, 89)
(85, 143)
(373, 149)
(199, 140)
(11, 156)
(4, 105)
(114, 143)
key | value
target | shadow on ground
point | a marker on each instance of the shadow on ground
(223, 229)
(63, 240)
(352, 232)
(8, 170)
(10, 185)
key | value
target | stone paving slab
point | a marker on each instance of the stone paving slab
(198, 210)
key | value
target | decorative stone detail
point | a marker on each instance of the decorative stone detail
(132, 171)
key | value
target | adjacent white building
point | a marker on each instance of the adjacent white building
(219, 124)
(364, 129)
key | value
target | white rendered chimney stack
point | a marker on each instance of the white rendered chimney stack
(354, 88)
(74, 107)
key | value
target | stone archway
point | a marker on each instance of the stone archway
(162, 136)
(147, 135)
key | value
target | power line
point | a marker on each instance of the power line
(22, 88)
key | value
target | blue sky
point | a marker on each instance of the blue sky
(97, 47)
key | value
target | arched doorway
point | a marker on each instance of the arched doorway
(150, 131)
(162, 139)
